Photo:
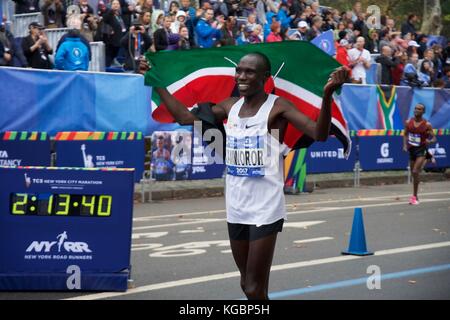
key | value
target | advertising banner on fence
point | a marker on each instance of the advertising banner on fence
(101, 150)
(24, 149)
(328, 156)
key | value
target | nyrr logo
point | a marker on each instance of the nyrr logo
(59, 245)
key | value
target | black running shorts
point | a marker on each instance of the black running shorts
(251, 232)
(416, 152)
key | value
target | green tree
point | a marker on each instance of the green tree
(436, 18)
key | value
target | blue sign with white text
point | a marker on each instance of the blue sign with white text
(382, 153)
(102, 154)
(15, 152)
(328, 156)
(53, 219)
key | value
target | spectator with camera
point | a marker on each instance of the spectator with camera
(36, 48)
(54, 13)
(135, 43)
(26, 6)
(115, 29)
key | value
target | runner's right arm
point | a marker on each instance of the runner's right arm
(177, 109)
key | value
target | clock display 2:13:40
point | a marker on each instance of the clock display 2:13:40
(49, 204)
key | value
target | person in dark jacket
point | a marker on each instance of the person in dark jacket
(135, 42)
(161, 36)
(13, 47)
(27, 6)
(408, 26)
(115, 30)
(388, 63)
(36, 48)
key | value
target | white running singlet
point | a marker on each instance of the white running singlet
(255, 176)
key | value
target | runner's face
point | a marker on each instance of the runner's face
(418, 111)
(249, 76)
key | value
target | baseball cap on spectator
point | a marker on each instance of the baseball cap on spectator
(412, 43)
(35, 25)
(180, 13)
(302, 24)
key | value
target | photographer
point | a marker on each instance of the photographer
(135, 42)
(54, 13)
(36, 47)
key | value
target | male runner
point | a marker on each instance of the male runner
(415, 140)
(255, 202)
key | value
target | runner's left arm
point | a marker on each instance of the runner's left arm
(430, 134)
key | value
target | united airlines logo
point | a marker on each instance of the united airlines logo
(331, 154)
(59, 249)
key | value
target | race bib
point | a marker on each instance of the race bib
(414, 139)
(245, 156)
(161, 166)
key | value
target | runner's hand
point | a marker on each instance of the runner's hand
(143, 66)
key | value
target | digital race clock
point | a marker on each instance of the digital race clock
(49, 204)
(57, 220)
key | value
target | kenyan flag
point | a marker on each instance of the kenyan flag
(299, 72)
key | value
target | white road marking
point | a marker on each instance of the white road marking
(313, 240)
(148, 235)
(192, 231)
(222, 276)
(178, 224)
(397, 203)
(303, 224)
(290, 205)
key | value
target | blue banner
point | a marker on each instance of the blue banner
(52, 101)
(382, 153)
(388, 107)
(51, 220)
(328, 156)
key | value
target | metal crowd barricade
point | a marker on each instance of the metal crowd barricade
(54, 35)
(21, 22)
(98, 56)
(8, 8)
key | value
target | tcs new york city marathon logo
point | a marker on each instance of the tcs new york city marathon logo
(59, 249)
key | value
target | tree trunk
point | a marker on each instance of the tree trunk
(432, 17)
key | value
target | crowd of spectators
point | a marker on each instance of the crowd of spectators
(129, 28)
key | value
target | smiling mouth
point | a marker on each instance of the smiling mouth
(243, 86)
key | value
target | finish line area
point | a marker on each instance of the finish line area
(180, 249)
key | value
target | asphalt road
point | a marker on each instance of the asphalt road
(181, 250)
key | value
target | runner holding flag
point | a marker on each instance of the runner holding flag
(256, 125)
